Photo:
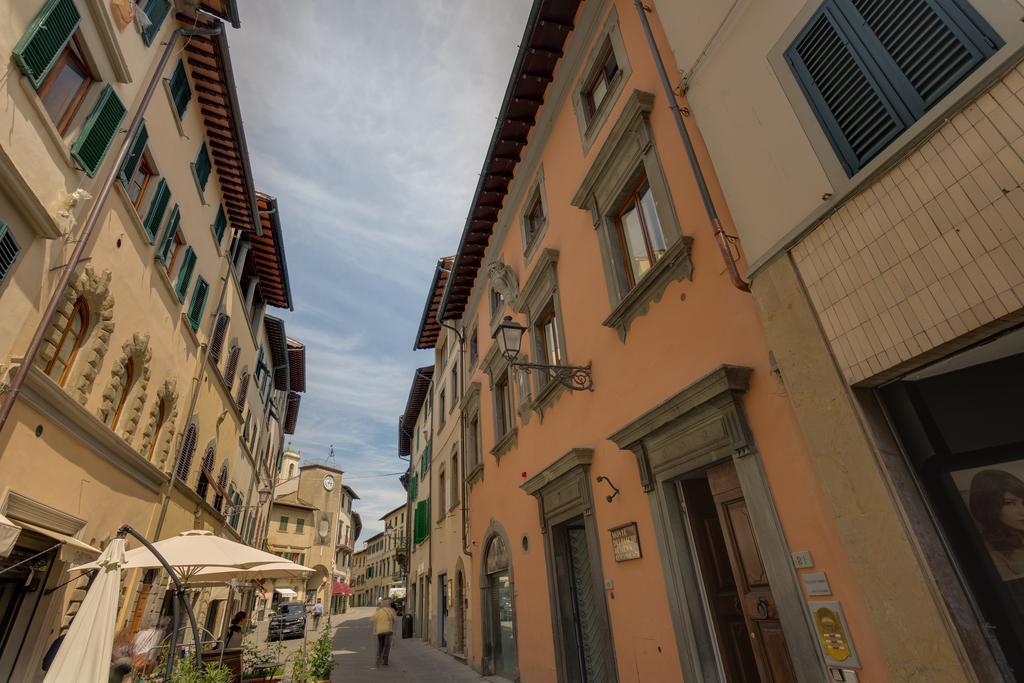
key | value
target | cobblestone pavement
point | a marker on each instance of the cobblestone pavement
(412, 660)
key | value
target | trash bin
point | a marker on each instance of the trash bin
(406, 626)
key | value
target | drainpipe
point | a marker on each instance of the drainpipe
(90, 224)
(721, 239)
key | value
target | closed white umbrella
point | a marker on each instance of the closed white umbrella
(84, 656)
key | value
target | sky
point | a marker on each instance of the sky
(369, 122)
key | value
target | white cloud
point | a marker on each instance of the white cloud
(369, 121)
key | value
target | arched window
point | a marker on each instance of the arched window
(217, 340)
(499, 609)
(243, 389)
(231, 365)
(127, 380)
(70, 341)
(205, 472)
(222, 482)
(161, 418)
(188, 449)
(291, 470)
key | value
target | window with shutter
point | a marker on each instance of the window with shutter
(188, 449)
(156, 11)
(219, 332)
(188, 264)
(871, 68)
(231, 366)
(181, 91)
(198, 303)
(8, 251)
(220, 224)
(155, 214)
(205, 472)
(243, 390)
(130, 164)
(202, 167)
(98, 132)
(45, 39)
(222, 481)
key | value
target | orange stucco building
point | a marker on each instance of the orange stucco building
(665, 523)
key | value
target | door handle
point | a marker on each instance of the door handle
(762, 607)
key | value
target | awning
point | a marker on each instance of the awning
(340, 588)
(71, 549)
(286, 592)
(8, 536)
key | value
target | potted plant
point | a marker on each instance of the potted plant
(321, 659)
(262, 664)
(186, 671)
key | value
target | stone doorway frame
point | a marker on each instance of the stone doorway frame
(701, 425)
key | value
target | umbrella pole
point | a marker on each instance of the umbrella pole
(179, 592)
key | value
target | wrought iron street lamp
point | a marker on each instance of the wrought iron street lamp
(263, 495)
(509, 338)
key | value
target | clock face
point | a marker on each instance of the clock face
(328, 482)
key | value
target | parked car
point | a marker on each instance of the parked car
(289, 621)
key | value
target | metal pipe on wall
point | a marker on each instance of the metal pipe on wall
(721, 239)
(90, 224)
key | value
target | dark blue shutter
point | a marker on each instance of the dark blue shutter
(49, 32)
(220, 224)
(8, 250)
(157, 207)
(167, 243)
(202, 167)
(188, 264)
(181, 91)
(157, 11)
(98, 132)
(198, 303)
(131, 164)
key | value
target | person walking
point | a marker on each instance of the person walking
(383, 623)
(318, 611)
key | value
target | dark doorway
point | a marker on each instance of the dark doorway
(737, 592)
(442, 610)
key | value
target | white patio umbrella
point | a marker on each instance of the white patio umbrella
(84, 656)
(282, 569)
(191, 551)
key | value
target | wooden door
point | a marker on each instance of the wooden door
(719, 583)
(753, 589)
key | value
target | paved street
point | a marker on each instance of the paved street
(411, 660)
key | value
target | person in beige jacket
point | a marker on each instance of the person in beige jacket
(383, 623)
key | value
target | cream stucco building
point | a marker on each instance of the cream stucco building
(162, 390)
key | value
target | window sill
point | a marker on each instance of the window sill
(44, 116)
(188, 328)
(166, 280)
(216, 242)
(174, 108)
(504, 444)
(547, 397)
(195, 178)
(674, 265)
(534, 244)
(133, 213)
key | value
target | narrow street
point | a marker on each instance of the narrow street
(410, 660)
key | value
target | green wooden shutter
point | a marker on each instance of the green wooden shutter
(195, 308)
(49, 32)
(167, 243)
(131, 164)
(202, 166)
(181, 91)
(188, 264)
(157, 207)
(98, 132)
(157, 11)
(220, 224)
(8, 250)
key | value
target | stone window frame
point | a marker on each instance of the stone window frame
(537, 194)
(628, 154)
(473, 342)
(497, 366)
(590, 126)
(539, 292)
(157, 437)
(136, 353)
(702, 425)
(472, 470)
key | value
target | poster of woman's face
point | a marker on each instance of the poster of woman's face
(994, 495)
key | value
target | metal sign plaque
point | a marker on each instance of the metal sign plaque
(833, 634)
(625, 542)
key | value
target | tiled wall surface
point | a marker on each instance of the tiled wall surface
(932, 250)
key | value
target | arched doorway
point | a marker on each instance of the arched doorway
(498, 610)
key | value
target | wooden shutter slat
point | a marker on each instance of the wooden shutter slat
(188, 263)
(157, 11)
(42, 43)
(98, 132)
(131, 164)
(9, 250)
(164, 253)
(202, 166)
(195, 309)
(157, 207)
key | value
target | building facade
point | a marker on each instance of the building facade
(415, 439)
(133, 411)
(350, 525)
(641, 502)
(888, 275)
